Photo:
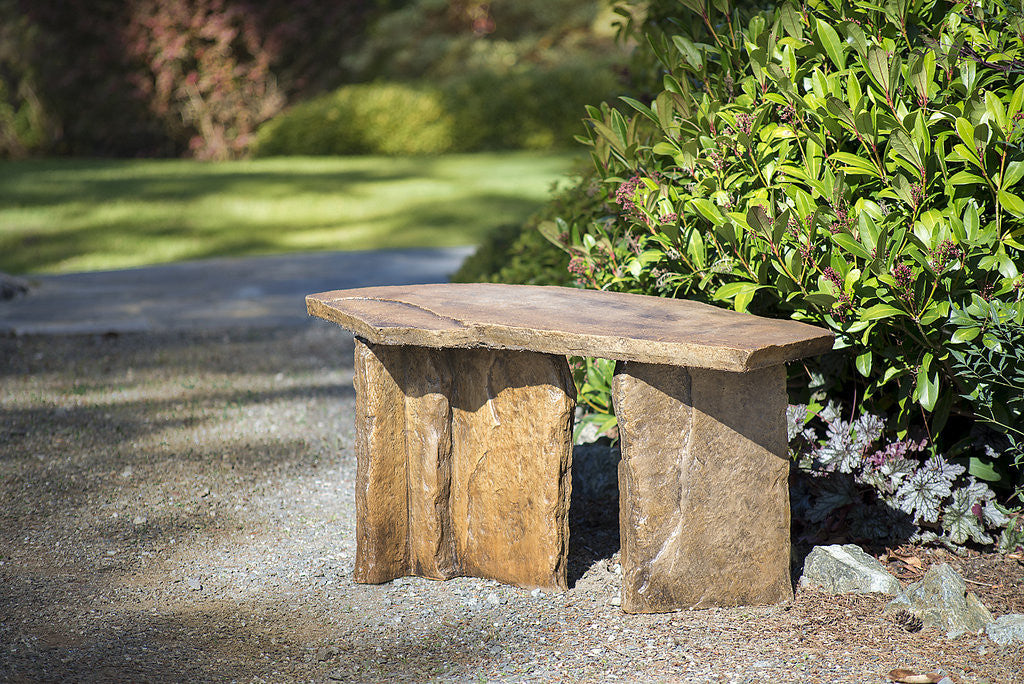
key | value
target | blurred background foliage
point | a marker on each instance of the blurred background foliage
(199, 78)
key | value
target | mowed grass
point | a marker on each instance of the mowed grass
(59, 216)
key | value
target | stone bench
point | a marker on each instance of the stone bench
(464, 417)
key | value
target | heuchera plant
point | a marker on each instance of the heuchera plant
(887, 491)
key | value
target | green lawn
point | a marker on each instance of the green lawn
(79, 215)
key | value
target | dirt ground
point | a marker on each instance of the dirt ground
(180, 508)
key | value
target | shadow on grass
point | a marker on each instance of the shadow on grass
(38, 183)
(437, 223)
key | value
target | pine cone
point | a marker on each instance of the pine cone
(907, 620)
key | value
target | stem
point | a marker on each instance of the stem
(707, 22)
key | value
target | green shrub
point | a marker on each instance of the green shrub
(523, 108)
(850, 165)
(379, 118)
(517, 254)
(832, 166)
(989, 361)
(24, 128)
(526, 107)
(521, 255)
(432, 40)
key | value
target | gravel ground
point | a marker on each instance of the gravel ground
(180, 508)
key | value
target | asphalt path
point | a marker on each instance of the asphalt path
(212, 294)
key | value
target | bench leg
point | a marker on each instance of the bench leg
(703, 487)
(463, 464)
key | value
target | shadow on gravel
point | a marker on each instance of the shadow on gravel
(199, 647)
(230, 642)
(593, 509)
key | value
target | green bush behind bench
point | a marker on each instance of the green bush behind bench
(524, 108)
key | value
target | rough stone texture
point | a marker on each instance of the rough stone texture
(428, 443)
(703, 482)
(382, 519)
(1007, 629)
(941, 600)
(463, 464)
(847, 569)
(512, 452)
(568, 321)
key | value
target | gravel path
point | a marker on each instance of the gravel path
(179, 507)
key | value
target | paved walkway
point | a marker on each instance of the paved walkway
(212, 294)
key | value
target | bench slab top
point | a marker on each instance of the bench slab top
(568, 321)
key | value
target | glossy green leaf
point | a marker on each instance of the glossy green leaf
(966, 178)
(792, 20)
(1014, 172)
(927, 388)
(864, 363)
(964, 335)
(840, 110)
(851, 245)
(640, 107)
(880, 311)
(854, 164)
(834, 48)
(902, 145)
(708, 210)
(878, 67)
(1012, 203)
(982, 469)
(965, 129)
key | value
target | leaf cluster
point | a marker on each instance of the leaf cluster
(990, 360)
(883, 491)
(853, 165)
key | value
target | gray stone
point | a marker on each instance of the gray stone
(1007, 629)
(942, 601)
(847, 569)
(703, 482)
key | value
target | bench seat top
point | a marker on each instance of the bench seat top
(568, 321)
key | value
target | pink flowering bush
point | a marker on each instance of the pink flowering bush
(167, 77)
(833, 162)
(853, 166)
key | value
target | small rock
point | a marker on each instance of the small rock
(942, 601)
(326, 653)
(536, 593)
(127, 472)
(194, 584)
(615, 600)
(139, 520)
(493, 599)
(1007, 629)
(847, 569)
